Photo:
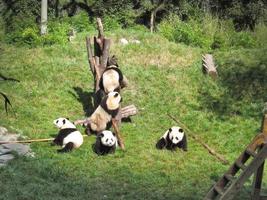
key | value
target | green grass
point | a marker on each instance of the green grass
(164, 78)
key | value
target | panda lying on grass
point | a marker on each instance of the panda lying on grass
(172, 139)
(68, 136)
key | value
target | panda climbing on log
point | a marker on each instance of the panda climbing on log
(112, 79)
(68, 136)
(106, 142)
(172, 139)
(101, 118)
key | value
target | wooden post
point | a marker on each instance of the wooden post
(257, 181)
(209, 66)
(44, 17)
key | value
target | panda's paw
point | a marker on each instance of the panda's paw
(52, 144)
(161, 143)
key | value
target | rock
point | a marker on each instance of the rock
(21, 149)
(3, 150)
(135, 41)
(9, 137)
(3, 130)
(5, 158)
(123, 41)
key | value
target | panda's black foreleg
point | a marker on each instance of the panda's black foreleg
(68, 147)
(161, 143)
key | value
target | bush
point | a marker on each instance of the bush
(111, 23)
(81, 22)
(208, 33)
(190, 33)
(243, 39)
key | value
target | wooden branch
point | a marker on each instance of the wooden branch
(209, 66)
(105, 54)
(30, 141)
(211, 151)
(90, 55)
(100, 28)
(117, 132)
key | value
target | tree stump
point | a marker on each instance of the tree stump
(98, 58)
(209, 66)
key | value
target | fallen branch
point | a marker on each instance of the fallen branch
(191, 134)
(29, 141)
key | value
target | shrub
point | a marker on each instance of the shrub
(81, 22)
(190, 33)
(243, 39)
(111, 23)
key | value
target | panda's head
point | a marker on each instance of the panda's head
(62, 123)
(176, 134)
(108, 138)
(113, 100)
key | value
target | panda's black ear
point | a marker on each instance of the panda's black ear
(114, 134)
(64, 121)
(181, 130)
(170, 130)
(101, 135)
(68, 118)
(116, 94)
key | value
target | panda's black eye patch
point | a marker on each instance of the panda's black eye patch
(176, 138)
(181, 130)
(64, 121)
(57, 121)
(106, 140)
(116, 94)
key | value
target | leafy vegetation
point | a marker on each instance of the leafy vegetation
(55, 81)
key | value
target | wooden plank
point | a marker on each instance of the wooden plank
(251, 168)
(257, 182)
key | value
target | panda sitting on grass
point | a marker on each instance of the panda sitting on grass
(172, 139)
(106, 142)
(68, 136)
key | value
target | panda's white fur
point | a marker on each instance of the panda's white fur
(111, 79)
(68, 137)
(172, 139)
(108, 108)
(106, 142)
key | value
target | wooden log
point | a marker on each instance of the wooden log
(209, 66)
(128, 111)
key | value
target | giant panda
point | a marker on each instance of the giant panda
(172, 139)
(106, 142)
(68, 136)
(112, 79)
(103, 114)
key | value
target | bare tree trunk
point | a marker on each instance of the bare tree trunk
(44, 17)
(152, 21)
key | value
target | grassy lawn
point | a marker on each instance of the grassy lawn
(164, 78)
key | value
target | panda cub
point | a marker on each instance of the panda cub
(102, 116)
(112, 79)
(68, 136)
(172, 139)
(106, 142)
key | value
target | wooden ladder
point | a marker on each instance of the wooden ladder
(231, 182)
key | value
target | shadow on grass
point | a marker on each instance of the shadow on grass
(45, 179)
(85, 98)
